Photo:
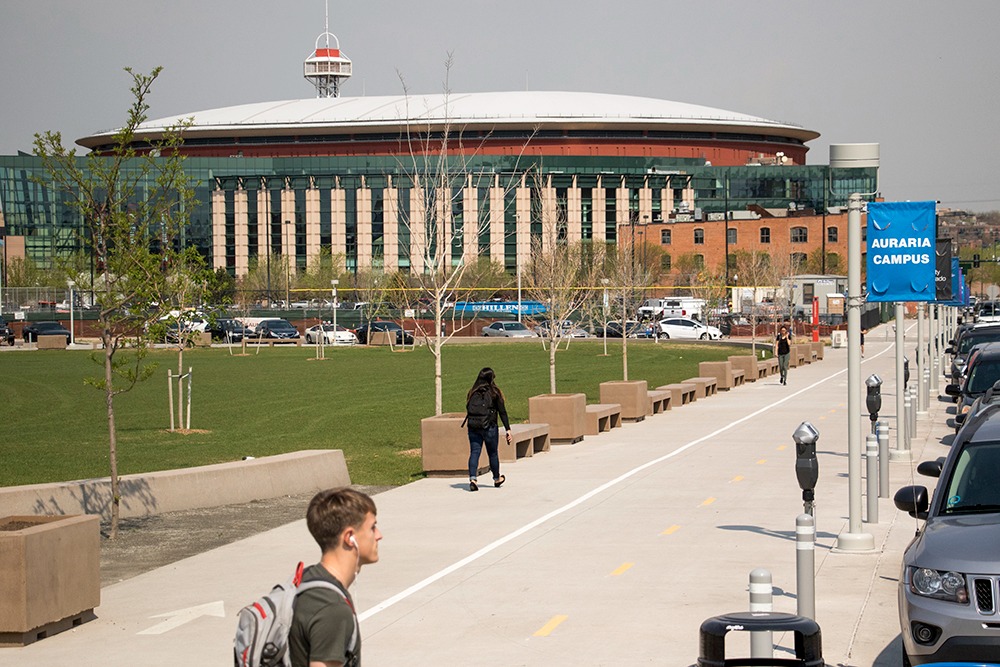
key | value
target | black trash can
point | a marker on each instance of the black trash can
(712, 639)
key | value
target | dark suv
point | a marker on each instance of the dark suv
(960, 348)
(982, 374)
(948, 587)
(6, 333)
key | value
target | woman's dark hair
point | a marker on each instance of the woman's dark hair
(485, 379)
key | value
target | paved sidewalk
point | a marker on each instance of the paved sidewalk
(608, 552)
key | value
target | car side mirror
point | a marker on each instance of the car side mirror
(949, 350)
(960, 419)
(930, 468)
(912, 500)
(953, 390)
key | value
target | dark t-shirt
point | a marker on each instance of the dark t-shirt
(323, 624)
(783, 344)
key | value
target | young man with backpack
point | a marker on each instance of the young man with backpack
(483, 404)
(324, 630)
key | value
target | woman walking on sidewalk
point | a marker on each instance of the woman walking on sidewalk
(483, 404)
(783, 349)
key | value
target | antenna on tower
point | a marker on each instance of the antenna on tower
(327, 66)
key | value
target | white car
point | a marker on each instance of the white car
(508, 330)
(331, 335)
(685, 327)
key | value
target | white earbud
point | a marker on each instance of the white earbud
(353, 541)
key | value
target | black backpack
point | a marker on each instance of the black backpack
(479, 410)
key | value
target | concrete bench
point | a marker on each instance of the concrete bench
(798, 355)
(770, 365)
(525, 439)
(681, 393)
(752, 371)
(704, 386)
(819, 348)
(271, 342)
(603, 417)
(50, 342)
(631, 395)
(725, 375)
(564, 413)
(659, 401)
(444, 445)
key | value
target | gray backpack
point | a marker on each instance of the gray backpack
(263, 626)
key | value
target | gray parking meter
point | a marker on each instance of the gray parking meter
(874, 398)
(806, 465)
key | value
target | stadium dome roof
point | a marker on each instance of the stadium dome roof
(493, 110)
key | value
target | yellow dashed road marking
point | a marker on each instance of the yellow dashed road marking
(707, 501)
(782, 448)
(738, 478)
(670, 531)
(622, 569)
(761, 462)
(553, 623)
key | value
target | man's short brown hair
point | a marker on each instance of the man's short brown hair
(333, 511)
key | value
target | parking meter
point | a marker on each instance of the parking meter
(906, 372)
(806, 465)
(874, 398)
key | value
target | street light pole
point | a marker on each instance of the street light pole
(72, 330)
(285, 254)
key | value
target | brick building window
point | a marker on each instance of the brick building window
(665, 236)
(731, 236)
(831, 234)
(665, 262)
(799, 235)
(699, 262)
(765, 234)
(699, 236)
(798, 260)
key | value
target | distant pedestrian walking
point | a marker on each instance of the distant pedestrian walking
(483, 404)
(783, 349)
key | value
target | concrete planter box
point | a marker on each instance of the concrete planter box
(566, 415)
(819, 348)
(49, 575)
(445, 446)
(632, 395)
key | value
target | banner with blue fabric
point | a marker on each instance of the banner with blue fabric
(901, 251)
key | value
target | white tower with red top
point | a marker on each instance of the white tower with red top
(327, 65)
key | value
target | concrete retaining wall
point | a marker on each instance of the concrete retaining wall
(187, 488)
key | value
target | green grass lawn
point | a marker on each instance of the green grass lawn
(365, 401)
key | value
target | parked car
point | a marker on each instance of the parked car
(508, 330)
(988, 311)
(948, 597)
(987, 400)
(32, 331)
(402, 337)
(983, 372)
(6, 333)
(613, 329)
(685, 327)
(331, 335)
(229, 330)
(963, 345)
(567, 329)
(277, 328)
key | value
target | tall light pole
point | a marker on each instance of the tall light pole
(854, 156)
(72, 330)
(285, 254)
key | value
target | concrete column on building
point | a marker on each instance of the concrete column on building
(312, 228)
(667, 195)
(496, 223)
(218, 229)
(263, 222)
(645, 205)
(689, 197)
(364, 226)
(600, 212)
(418, 230)
(338, 222)
(288, 227)
(550, 219)
(242, 233)
(574, 214)
(523, 199)
(621, 207)
(470, 223)
(390, 229)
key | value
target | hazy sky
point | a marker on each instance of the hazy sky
(920, 78)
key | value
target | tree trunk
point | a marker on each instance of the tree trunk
(436, 342)
(552, 366)
(624, 340)
(109, 395)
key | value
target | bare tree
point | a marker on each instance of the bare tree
(130, 204)
(753, 268)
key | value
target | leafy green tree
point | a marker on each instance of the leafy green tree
(133, 207)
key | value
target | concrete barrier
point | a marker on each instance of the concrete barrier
(186, 488)
(51, 342)
(603, 417)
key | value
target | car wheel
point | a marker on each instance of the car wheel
(704, 336)
(663, 335)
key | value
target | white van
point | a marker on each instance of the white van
(684, 306)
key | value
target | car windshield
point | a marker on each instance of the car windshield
(280, 325)
(515, 326)
(982, 376)
(973, 485)
(385, 326)
(969, 341)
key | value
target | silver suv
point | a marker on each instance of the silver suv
(948, 596)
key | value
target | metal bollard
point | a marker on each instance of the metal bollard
(882, 430)
(912, 431)
(871, 489)
(761, 599)
(935, 372)
(925, 387)
(907, 409)
(805, 566)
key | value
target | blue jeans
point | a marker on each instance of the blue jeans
(491, 438)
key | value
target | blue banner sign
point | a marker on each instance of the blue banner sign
(901, 257)
(527, 307)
